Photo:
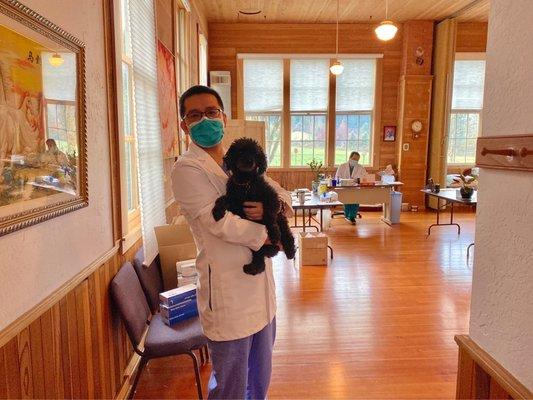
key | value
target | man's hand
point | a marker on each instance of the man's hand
(253, 210)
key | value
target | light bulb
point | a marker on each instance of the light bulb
(337, 68)
(56, 60)
(386, 30)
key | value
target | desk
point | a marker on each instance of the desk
(450, 196)
(376, 194)
(312, 202)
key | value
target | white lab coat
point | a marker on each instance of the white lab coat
(343, 172)
(232, 304)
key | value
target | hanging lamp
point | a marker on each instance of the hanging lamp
(337, 67)
(386, 30)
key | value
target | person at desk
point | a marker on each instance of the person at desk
(351, 170)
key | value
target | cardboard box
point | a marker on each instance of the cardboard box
(313, 248)
(175, 243)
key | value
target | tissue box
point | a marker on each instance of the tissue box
(313, 248)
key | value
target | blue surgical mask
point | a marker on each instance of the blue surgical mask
(207, 132)
(353, 163)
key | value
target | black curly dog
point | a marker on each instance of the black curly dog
(247, 162)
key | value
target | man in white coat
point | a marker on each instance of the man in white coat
(237, 310)
(351, 170)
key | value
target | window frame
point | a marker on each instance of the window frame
(130, 219)
(375, 145)
(463, 56)
(306, 113)
(371, 141)
(270, 114)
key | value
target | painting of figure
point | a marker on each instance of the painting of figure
(168, 111)
(35, 161)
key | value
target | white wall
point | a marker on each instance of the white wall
(35, 261)
(501, 320)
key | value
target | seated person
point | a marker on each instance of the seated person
(53, 157)
(351, 170)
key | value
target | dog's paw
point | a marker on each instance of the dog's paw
(252, 269)
(270, 250)
(218, 214)
(290, 253)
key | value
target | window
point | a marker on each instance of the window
(355, 90)
(127, 125)
(202, 59)
(309, 90)
(263, 101)
(467, 104)
(59, 91)
(147, 123)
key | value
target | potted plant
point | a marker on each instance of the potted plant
(316, 167)
(467, 186)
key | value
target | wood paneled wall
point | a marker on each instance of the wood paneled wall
(78, 348)
(471, 37)
(227, 40)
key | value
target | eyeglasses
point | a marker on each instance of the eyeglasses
(210, 113)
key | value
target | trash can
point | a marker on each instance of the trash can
(395, 207)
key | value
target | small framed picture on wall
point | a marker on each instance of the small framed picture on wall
(389, 133)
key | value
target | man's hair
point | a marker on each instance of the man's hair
(195, 90)
(354, 153)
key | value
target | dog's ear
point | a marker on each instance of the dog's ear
(229, 157)
(261, 159)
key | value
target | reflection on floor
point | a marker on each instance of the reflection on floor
(378, 322)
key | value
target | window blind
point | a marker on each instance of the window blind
(263, 85)
(149, 148)
(468, 83)
(309, 85)
(59, 83)
(356, 85)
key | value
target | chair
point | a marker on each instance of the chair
(152, 284)
(161, 340)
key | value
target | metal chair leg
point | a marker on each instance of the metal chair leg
(206, 349)
(142, 364)
(197, 374)
(201, 352)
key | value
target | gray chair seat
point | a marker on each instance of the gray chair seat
(163, 340)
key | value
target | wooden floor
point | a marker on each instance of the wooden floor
(377, 323)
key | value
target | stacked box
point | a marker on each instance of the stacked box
(178, 304)
(313, 248)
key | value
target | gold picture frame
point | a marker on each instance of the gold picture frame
(43, 137)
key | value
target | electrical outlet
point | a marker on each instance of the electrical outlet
(405, 147)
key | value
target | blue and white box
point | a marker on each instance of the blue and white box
(178, 295)
(174, 311)
(181, 317)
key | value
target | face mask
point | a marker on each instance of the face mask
(353, 163)
(207, 132)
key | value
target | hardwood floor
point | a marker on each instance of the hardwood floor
(377, 323)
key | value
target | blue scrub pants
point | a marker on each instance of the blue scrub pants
(350, 211)
(242, 367)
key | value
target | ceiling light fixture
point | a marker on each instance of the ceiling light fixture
(56, 60)
(337, 67)
(386, 30)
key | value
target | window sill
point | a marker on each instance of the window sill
(131, 238)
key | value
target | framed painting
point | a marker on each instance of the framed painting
(389, 133)
(43, 155)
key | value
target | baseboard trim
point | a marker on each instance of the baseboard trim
(493, 368)
(25, 320)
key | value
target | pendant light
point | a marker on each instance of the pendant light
(56, 60)
(337, 67)
(386, 30)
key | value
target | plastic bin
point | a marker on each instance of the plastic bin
(395, 207)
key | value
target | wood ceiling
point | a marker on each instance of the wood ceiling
(324, 11)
